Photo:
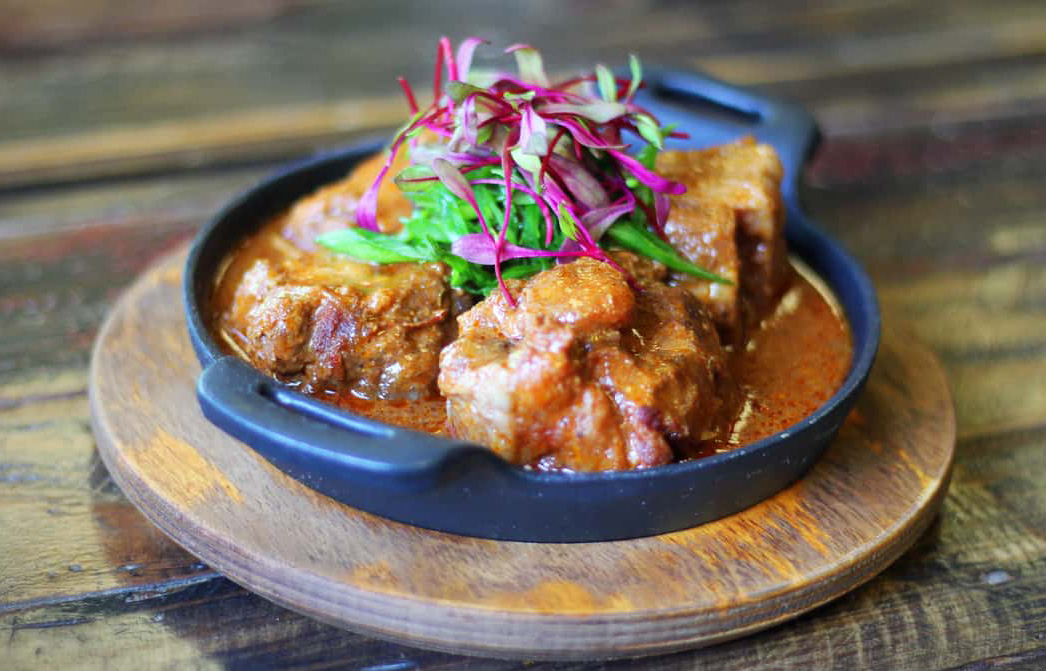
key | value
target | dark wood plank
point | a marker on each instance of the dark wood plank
(34, 27)
(65, 256)
(286, 86)
(74, 294)
(58, 505)
(141, 201)
(970, 590)
(950, 228)
(245, 136)
(211, 625)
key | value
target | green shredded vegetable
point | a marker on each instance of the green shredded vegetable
(574, 189)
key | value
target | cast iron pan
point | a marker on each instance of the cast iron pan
(462, 488)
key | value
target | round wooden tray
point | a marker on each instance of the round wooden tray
(866, 501)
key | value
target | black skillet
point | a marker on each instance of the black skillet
(458, 487)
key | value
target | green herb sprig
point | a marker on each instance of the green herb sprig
(524, 173)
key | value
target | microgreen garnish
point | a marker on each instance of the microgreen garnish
(508, 177)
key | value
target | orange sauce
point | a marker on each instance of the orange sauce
(791, 365)
(792, 362)
(428, 415)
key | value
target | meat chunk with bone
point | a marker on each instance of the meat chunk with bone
(730, 221)
(335, 324)
(584, 373)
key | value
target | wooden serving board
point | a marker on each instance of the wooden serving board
(863, 504)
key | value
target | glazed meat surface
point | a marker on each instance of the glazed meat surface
(730, 221)
(375, 331)
(584, 373)
(331, 323)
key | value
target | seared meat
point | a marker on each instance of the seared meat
(335, 324)
(730, 221)
(331, 323)
(584, 373)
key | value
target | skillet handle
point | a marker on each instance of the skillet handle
(715, 112)
(307, 436)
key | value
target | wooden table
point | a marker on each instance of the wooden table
(121, 133)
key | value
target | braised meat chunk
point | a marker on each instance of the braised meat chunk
(335, 324)
(730, 221)
(328, 322)
(584, 373)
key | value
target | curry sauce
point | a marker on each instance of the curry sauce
(790, 364)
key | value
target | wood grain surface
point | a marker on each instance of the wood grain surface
(931, 173)
(857, 510)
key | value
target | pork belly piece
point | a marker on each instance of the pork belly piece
(730, 221)
(584, 373)
(335, 324)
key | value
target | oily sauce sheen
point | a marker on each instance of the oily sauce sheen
(793, 363)
(790, 365)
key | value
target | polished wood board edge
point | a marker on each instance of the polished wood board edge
(469, 631)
